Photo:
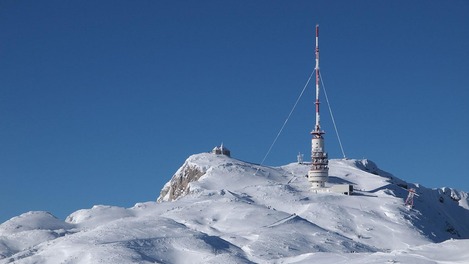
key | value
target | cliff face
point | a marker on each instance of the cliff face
(179, 184)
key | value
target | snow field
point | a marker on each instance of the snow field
(238, 212)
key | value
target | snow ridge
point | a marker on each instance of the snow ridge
(217, 209)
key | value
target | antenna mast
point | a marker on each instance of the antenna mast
(319, 172)
(317, 127)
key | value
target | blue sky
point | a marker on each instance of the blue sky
(102, 101)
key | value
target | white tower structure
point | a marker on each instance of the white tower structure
(319, 172)
(409, 202)
(299, 157)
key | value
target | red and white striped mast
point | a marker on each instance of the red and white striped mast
(319, 171)
(317, 128)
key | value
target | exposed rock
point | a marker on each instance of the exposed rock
(179, 184)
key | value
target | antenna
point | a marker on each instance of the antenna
(319, 172)
(317, 127)
(409, 202)
(299, 157)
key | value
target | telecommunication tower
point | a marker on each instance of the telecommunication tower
(319, 171)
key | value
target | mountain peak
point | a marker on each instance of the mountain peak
(219, 209)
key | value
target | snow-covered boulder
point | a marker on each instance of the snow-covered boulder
(97, 215)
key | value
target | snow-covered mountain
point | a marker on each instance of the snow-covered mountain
(217, 209)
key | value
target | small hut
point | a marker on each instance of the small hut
(221, 150)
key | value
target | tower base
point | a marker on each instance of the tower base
(318, 178)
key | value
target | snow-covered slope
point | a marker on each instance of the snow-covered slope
(218, 209)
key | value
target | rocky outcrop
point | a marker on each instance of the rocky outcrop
(179, 184)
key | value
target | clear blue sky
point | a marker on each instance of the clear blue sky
(102, 101)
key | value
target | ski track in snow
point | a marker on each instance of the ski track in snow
(231, 214)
